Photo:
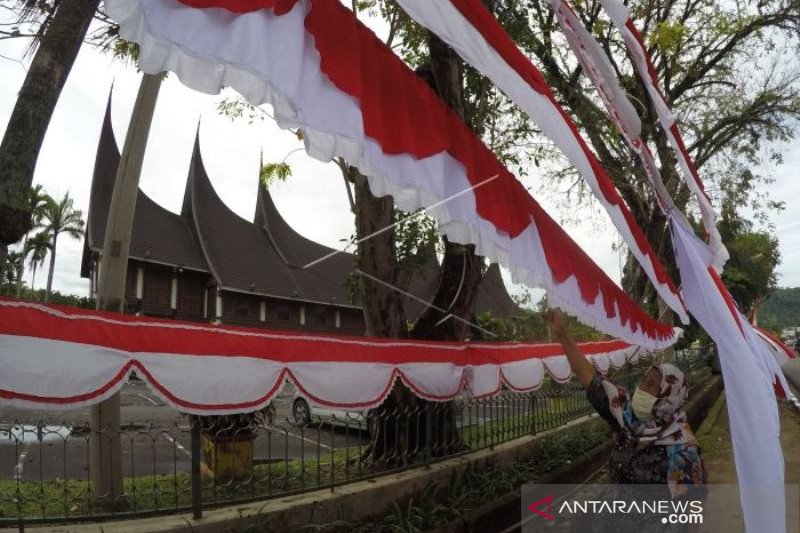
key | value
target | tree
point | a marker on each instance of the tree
(750, 273)
(37, 199)
(60, 40)
(10, 270)
(60, 217)
(735, 105)
(36, 248)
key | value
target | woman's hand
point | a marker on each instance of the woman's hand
(582, 368)
(555, 318)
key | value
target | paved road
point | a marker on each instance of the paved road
(43, 445)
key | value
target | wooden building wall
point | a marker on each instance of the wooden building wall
(237, 308)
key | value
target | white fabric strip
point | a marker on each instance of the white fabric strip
(620, 17)
(77, 375)
(271, 59)
(447, 22)
(752, 409)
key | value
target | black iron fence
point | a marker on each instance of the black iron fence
(179, 463)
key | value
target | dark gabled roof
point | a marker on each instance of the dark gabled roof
(247, 257)
(158, 235)
(265, 257)
(493, 295)
(327, 278)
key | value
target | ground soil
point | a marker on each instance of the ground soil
(715, 440)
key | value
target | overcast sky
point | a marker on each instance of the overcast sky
(313, 200)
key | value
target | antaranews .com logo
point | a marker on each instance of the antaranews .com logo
(671, 511)
(644, 508)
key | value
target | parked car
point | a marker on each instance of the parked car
(304, 412)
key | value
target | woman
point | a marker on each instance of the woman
(654, 442)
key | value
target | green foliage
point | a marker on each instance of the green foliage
(754, 256)
(416, 238)
(781, 309)
(237, 108)
(530, 326)
(436, 507)
(274, 172)
(750, 273)
(668, 36)
(125, 50)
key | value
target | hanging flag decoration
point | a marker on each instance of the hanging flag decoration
(326, 73)
(748, 388)
(777, 347)
(620, 18)
(597, 67)
(751, 367)
(476, 35)
(89, 355)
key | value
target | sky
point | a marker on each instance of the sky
(313, 200)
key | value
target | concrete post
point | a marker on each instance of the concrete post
(105, 447)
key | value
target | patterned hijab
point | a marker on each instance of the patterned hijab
(668, 425)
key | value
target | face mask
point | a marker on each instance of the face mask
(642, 404)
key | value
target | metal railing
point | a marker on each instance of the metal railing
(180, 463)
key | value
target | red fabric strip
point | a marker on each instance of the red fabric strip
(676, 133)
(405, 116)
(789, 352)
(491, 30)
(651, 70)
(174, 338)
(244, 6)
(727, 296)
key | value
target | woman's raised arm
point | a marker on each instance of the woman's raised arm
(582, 368)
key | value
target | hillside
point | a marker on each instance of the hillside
(782, 309)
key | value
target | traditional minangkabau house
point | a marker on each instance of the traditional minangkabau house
(209, 264)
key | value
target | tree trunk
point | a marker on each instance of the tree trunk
(51, 270)
(30, 118)
(21, 266)
(405, 427)
(105, 444)
(382, 305)
(3, 254)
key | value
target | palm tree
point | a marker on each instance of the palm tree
(57, 218)
(37, 199)
(11, 269)
(37, 248)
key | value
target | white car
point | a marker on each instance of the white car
(304, 412)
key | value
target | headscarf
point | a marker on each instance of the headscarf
(668, 425)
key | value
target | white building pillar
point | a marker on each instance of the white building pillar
(218, 307)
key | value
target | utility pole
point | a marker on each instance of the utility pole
(105, 445)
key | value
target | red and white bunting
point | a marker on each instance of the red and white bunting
(476, 35)
(706, 296)
(328, 74)
(751, 376)
(620, 17)
(88, 356)
(597, 67)
(779, 350)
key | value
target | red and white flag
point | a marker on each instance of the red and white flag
(476, 35)
(325, 72)
(706, 298)
(749, 384)
(644, 65)
(88, 355)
